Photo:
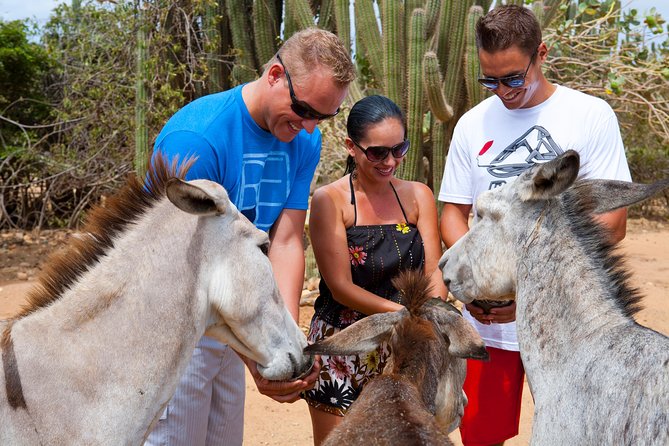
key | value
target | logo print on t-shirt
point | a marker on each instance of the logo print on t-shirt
(533, 147)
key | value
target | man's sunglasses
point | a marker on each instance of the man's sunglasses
(378, 153)
(301, 108)
(514, 81)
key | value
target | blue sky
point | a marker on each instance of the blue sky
(40, 9)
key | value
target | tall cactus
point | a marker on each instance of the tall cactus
(211, 22)
(475, 92)
(245, 68)
(303, 16)
(141, 127)
(265, 29)
(411, 167)
(392, 17)
(367, 30)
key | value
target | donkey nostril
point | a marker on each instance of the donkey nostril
(447, 282)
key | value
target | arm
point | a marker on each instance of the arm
(428, 227)
(615, 222)
(328, 238)
(286, 253)
(454, 222)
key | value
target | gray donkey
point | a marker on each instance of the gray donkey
(597, 377)
(418, 399)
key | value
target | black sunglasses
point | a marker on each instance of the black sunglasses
(301, 108)
(514, 81)
(378, 153)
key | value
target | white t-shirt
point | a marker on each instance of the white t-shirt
(492, 145)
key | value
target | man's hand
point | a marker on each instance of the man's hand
(282, 391)
(498, 315)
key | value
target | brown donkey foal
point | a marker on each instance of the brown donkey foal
(418, 399)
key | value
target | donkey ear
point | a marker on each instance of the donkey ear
(465, 342)
(361, 337)
(547, 180)
(608, 195)
(193, 198)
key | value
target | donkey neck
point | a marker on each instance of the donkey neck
(114, 314)
(563, 290)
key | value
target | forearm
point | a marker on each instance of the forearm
(454, 223)
(615, 222)
(288, 265)
(359, 299)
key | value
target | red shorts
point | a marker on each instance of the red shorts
(494, 389)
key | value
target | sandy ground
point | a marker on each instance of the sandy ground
(269, 423)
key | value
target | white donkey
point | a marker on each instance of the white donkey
(597, 377)
(100, 349)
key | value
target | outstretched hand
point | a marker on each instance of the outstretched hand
(282, 391)
(497, 315)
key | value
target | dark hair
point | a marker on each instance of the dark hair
(366, 112)
(506, 26)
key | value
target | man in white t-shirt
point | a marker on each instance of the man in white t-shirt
(528, 120)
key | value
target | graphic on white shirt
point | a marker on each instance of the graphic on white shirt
(535, 146)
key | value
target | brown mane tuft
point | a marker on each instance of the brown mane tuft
(103, 224)
(415, 289)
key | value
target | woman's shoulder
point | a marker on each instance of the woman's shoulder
(416, 188)
(335, 191)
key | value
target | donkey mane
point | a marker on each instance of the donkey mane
(103, 223)
(594, 238)
(414, 288)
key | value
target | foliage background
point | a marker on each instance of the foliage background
(77, 94)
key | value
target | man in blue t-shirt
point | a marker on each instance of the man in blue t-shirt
(260, 141)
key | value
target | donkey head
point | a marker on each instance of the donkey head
(428, 340)
(483, 263)
(244, 307)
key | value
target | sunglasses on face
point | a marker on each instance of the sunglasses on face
(514, 81)
(301, 108)
(377, 154)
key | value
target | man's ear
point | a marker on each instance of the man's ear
(542, 52)
(274, 74)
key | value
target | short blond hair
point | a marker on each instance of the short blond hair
(313, 47)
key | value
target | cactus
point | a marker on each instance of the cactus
(410, 168)
(240, 24)
(392, 17)
(475, 92)
(141, 128)
(211, 21)
(265, 29)
(303, 16)
(326, 15)
(367, 30)
(433, 88)
(343, 21)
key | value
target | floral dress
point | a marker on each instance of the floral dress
(377, 254)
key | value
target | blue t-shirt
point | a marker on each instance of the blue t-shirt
(261, 174)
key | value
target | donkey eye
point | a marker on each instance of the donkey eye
(264, 247)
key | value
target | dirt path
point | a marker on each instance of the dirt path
(269, 423)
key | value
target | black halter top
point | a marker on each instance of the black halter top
(377, 254)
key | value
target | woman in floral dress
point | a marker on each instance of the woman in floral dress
(365, 228)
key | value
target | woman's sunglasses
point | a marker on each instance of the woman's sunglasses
(514, 81)
(301, 108)
(378, 153)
